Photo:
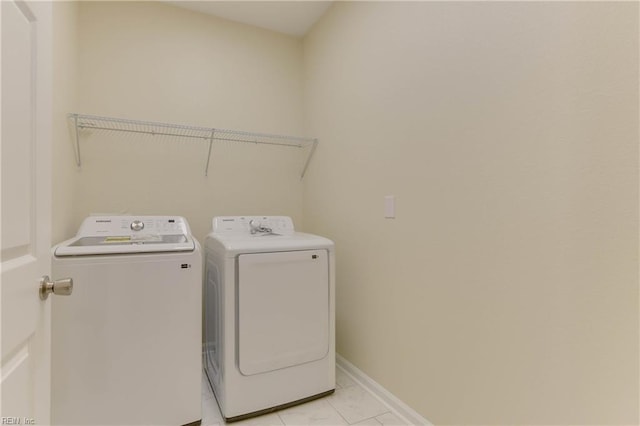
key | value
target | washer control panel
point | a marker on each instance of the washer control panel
(134, 225)
(253, 225)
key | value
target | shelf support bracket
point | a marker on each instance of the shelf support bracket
(206, 169)
(77, 132)
(306, 164)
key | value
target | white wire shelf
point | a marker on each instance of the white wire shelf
(207, 134)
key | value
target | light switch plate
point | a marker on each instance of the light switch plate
(390, 206)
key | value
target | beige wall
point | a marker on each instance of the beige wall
(65, 76)
(506, 290)
(152, 61)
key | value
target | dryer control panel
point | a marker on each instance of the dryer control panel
(253, 225)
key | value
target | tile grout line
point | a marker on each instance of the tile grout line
(363, 381)
(336, 410)
(358, 383)
(375, 418)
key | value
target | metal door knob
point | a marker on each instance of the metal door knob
(63, 287)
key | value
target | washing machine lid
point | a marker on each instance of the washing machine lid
(260, 234)
(100, 235)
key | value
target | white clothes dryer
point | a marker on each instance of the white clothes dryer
(269, 324)
(126, 345)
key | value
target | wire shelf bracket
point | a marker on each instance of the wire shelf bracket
(81, 122)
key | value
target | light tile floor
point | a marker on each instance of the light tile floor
(351, 404)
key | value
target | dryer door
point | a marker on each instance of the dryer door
(283, 309)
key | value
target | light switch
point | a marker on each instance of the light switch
(390, 206)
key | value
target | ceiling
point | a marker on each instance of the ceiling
(289, 17)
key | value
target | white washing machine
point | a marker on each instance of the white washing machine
(127, 343)
(269, 315)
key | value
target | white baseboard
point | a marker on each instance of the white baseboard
(399, 408)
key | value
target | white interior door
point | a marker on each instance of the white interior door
(25, 155)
